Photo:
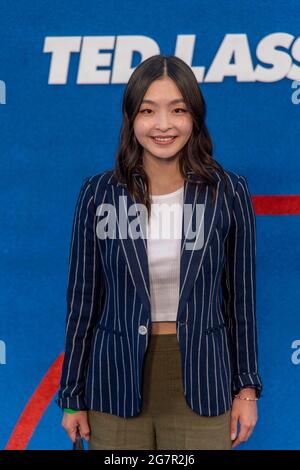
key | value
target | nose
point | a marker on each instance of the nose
(163, 121)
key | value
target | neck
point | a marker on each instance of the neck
(163, 173)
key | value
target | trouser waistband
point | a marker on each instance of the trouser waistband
(163, 342)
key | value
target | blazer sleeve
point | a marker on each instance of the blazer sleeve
(239, 290)
(84, 294)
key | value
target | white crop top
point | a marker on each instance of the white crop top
(164, 244)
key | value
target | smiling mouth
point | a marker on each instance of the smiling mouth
(163, 140)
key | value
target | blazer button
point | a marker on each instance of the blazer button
(142, 330)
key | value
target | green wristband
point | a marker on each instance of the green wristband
(70, 411)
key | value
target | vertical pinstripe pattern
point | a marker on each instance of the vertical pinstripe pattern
(108, 302)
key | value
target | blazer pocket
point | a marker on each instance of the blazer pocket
(109, 330)
(215, 329)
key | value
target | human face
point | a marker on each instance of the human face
(161, 116)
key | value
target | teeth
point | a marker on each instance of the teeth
(163, 139)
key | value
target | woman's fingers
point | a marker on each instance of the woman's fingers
(246, 430)
(72, 434)
(233, 426)
(84, 431)
(70, 423)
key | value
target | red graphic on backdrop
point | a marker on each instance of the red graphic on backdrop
(36, 407)
(276, 205)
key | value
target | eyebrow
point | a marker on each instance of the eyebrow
(179, 100)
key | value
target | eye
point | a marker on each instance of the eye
(146, 109)
(180, 109)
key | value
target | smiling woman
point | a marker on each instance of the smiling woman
(161, 353)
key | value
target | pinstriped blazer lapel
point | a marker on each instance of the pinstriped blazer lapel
(192, 259)
(135, 251)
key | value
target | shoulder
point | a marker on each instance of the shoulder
(232, 177)
(96, 186)
(233, 180)
(99, 182)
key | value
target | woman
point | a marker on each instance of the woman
(161, 340)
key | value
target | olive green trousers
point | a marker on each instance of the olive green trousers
(166, 421)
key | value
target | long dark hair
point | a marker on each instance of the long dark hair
(196, 155)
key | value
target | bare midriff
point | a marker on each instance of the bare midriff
(163, 328)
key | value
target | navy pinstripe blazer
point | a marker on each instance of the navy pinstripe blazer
(109, 310)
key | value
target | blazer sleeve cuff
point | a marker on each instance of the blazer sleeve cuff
(245, 380)
(76, 403)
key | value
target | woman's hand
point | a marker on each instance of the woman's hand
(71, 421)
(245, 412)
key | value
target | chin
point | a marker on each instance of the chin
(163, 153)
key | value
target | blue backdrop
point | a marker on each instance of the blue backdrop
(63, 70)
